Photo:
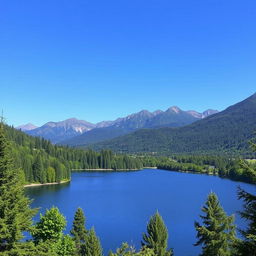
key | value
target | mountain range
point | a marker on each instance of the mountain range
(58, 131)
(26, 127)
(223, 133)
(76, 132)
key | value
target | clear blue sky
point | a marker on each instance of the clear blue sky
(99, 60)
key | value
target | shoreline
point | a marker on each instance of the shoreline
(100, 169)
(45, 184)
(66, 181)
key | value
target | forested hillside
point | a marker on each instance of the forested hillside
(44, 162)
(227, 132)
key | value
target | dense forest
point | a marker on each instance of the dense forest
(44, 162)
(215, 232)
(231, 168)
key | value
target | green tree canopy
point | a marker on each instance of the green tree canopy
(65, 246)
(92, 247)
(157, 236)
(78, 230)
(50, 226)
(248, 246)
(217, 234)
(15, 213)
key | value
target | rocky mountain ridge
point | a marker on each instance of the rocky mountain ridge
(65, 130)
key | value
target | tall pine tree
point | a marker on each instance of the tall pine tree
(248, 245)
(217, 234)
(15, 213)
(78, 230)
(92, 247)
(38, 169)
(157, 236)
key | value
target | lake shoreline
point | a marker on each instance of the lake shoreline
(45, 184)
(209, 174)
(81, 170)
(113, 170)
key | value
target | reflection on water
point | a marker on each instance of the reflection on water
(45, 189)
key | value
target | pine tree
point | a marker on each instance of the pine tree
(15, 213)
(92, 247)
(157, 236)
(38, 169)
(217, 234)
(78, 230)
(248, 246)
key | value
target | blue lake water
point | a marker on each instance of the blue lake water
(119, 204)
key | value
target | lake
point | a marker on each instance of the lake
(119, 204)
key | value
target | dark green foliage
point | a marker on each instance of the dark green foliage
(22, 249)
(248, 245)
(65, 246)
(38, 170)
(223, 166)
(46, 248)
(92, 247)
(44, 162)
(225, 133)
(157, 236)
(15, 214)
(50, 226)
(78, 230)
(249, 171)
(217, 234)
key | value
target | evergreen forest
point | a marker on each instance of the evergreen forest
(216, 231)
(44, 162)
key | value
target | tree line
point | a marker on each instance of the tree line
(232, 168)
(44, 162)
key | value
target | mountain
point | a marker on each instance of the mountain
(205, 114)
(59, 131)
(26, 127)
(116, 128)
(221, 133)
(76, 132)
(172, 117)
(209, 112)
(104, 124)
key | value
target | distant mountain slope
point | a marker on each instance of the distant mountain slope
(223, 132)
(172, 117)
(59, 131)
(94, 136)
(26, 127)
